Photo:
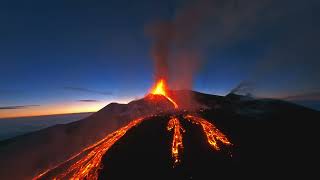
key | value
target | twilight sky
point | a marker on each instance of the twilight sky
(78, 55)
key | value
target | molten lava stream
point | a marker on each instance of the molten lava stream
(177, 138)
(87, 167)
(213, 134)
(160, 89)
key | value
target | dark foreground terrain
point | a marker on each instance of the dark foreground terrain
(271, 138)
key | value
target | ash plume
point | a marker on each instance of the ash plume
(163, 35)
(244, 88)
(181, 44)
(176, 47)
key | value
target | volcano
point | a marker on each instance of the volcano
(222, 137)
(87, 163)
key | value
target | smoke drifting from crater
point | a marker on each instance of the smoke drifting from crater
(290, 61)
(180, 45)
(176, 44)
(284, 32)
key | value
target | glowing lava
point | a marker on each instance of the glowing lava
(177, 144)
(160, 89)
(213, 134)
(89, 162)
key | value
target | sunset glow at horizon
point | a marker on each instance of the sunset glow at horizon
(58, 108)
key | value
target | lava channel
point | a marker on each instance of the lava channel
(177, 144)
(213, 134)
(87, 166)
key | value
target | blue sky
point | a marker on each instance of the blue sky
(101, 46)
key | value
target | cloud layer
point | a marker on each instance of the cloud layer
(17, 107)
(87, 90)
(88, 100)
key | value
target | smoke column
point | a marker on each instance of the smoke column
(179, 45)
(176, 45)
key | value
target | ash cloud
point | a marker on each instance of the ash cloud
(289, 63)
(17, 107)
(244, 88)
(292, 65)
(180, 44)
(174, 49)
(87, 90)
(285, 32)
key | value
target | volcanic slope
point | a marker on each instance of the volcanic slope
(270, 139)
(145, 153)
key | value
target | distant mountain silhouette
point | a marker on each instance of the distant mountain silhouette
(270, 137)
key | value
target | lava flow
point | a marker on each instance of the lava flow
(177, 138)
(213, 134)
(87, 166)
(161, 89)
(87, 163)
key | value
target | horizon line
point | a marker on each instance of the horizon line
(45, 115)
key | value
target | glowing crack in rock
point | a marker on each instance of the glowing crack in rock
(177, 144)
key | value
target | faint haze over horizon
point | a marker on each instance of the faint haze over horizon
(73, 56)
